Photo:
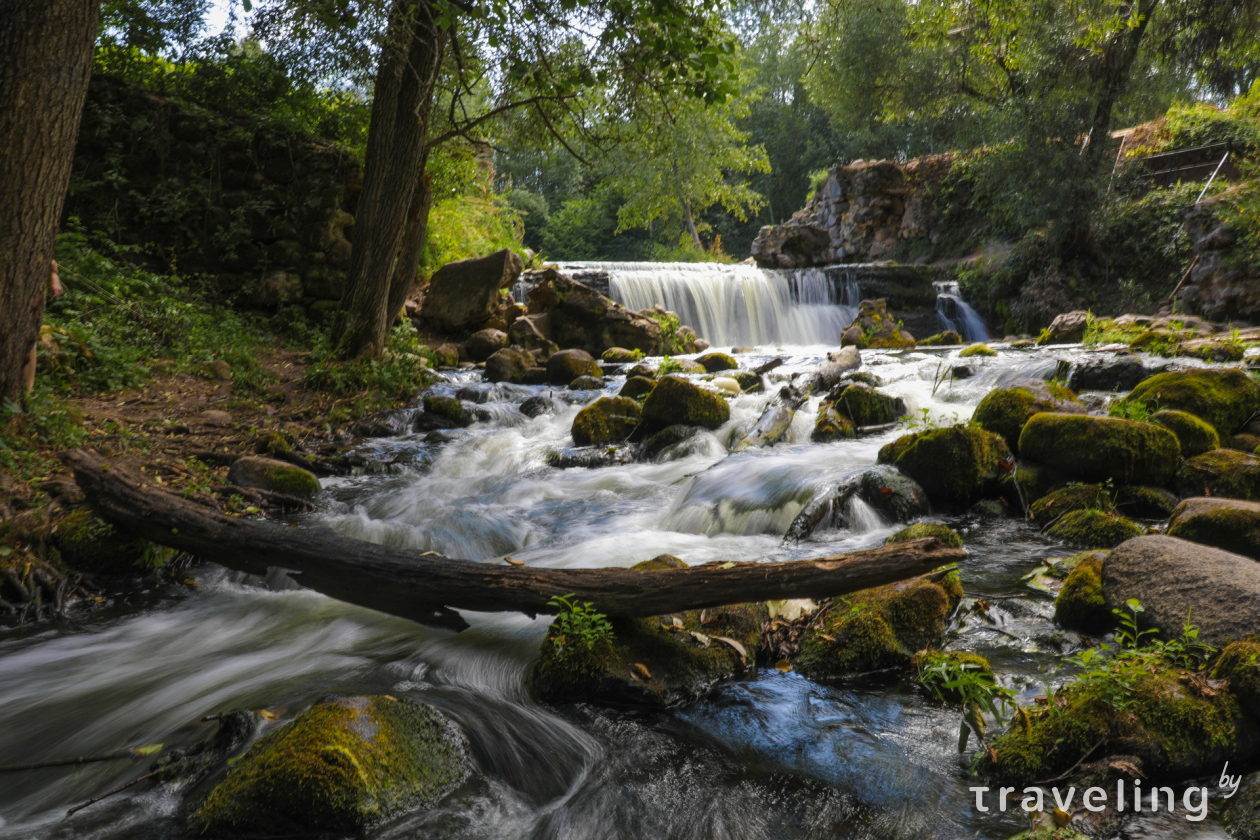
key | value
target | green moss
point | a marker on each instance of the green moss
(1004, 411)
(1221, 472)
(919, 530)
(714, 362)
(1083, 448)
(1094, 529)
(641, 370)
(958, 465)
(621, 356)
(1174, 730)
(1194, 435)
(293, 481)
(1242, 442)
(1080, 605)
(864, 405)
(894, 339)
(448, 407)
(342, 766)
(977, 350)
(1070, 498)
(1239, 662)
(832, 425)
(90, 544)
(637, 388)
(878, 628)
(1233, 529)
(749, 382)
(274, 442)
(607, 420)
(1224, 398)
(946, 339)
(1145, 502)
(676, 400)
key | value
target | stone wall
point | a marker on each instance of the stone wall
(859, 214)
(263, 213)
(1223, 285)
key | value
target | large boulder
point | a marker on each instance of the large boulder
(482, 344)
(959, 465)
(607, 420)
(675, 400)
(874, 327)
(277, 476)
(1195, 436)
(714, 362)
(1073, 497)
(1082, 448)
(343, 766)
(1080, 604)
(464, 295)
(1121, 373)
(580, 317)
(863, 405)
(1228, 524)
(1004, 411)
(567, 365)
(833, 370)
(1221, 472)
(533, 333)
(1067, 328)
(1093, 529)
(1226, 398)
(1176, 579)
(511, 364)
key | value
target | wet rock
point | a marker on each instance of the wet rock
(641, 370)
(920, 530)
(864, 405)
(538, 406)
(1071, 498)
(593, 457)
(582, 318)
(1174, 578)
(676, 400)
(657, 662)
(1067, 328)
(958, 465)
(482, 344)
(832, 371)
(863, 377)
(637, 387)
(1224, 398)
(1194, 435)
(445, 413)
(586, 383)
(275, 476)
(667, 437)
(1228, 524)
(607, 420)
(1122, 373)
(727, 385)
(508, 365)
(830, 425)
(874, 327)
(878, 628)
(90, 544)
(1242, 810)
(774, 421)
(343, 766)
(1004, 411)
(1081, 448)
(1145, 502)
(893, 494)
(535, 375)
(567, 365)
(949, 338)
(749, 382)
(977, 350)
(463, 295)
(1221, 472)
(621, 356)
(1080, 605)
(1093, 529)
(962, 371)
(714, 362)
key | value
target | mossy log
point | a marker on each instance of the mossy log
(428, 589)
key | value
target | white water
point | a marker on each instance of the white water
(956, 315)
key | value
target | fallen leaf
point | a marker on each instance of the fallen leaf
(727, 565)
(429, 554)
(783, 665)
(743, 652)
(678, 622)
(1061, 817)
(825, 636)
(640, 672)
(149, 749)
(510, 561)
(1125, 767)
(701, 638)
(271, 715)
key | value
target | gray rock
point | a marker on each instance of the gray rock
(1122, 373)
(482, 344)
(1227, 524)
(463, 295)
(837, 365)
(1068, 328)
(508, 365)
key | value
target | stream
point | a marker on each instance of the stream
(772, 756)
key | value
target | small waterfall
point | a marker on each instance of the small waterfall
(863, 517)
(956, 315)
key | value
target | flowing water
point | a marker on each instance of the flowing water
(955, 314)
(768, 757)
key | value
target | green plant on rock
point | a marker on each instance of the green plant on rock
(578, 625)
(669, 365)
(965, 681)
(1138, 411)
(926, 421)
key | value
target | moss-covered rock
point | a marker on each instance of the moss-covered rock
(567, 365)
(920, 530)
(749, 382)
(90, 544)
(715, 361)
(343, 766)
(1004, 411)
(949, 338)
(1242, 442)
(448, 410)
(1094, 529)
(1067, 499)
(874, 327)
(1221, 472)
(586, 383)
(1239, 663)
(1080, 604)
(864, 405)
(275, 476)
(1242, 810)
(958, 465)
(641, 370)
(606, 420)
(621, 356)
(1225, 398)
(667, 437)
(831, 425)
(1083, 448)
(878, 628)
(658, 661)
(1194, 435)
(677, 400)
(274, 442)
(1173, 728)
(977, 350)
(1230, 524)
(1145, 502)
(637, 388)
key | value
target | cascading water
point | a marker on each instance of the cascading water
(956, 315)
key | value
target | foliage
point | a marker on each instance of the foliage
(363, 385)
(1132, 410)
(31, 434)
(968, 685)
(469, 226)
(578, 626)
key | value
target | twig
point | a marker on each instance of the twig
(1068, 772)
(67, 762)
(1185, 276)
(94, 800)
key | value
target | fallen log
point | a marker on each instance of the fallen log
(429, 588)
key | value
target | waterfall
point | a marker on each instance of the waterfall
(954, 313)
(731, 305)
(863, 517)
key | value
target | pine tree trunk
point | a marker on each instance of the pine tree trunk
(45, 62)
(408, 264)
(401, 107)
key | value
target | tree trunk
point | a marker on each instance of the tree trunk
(45, 62)
(401, 107)
(427, 589)
(686, 208)
(408, 265)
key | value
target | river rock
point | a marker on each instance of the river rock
(342, 766)
(923, 530)
(1070, 498)
(1093, 529)
(714, 362)
(949, 338)
(1082, 448)
(676, 400)
(582, 318)
(1067, 328)
(508, 365)
(1221, 472)
(1242, 810)
(832, 371)
(593, 457)
(892, 493)
(666, 438)
(1145, 502)
(1225, 398)
(959, 465)
(656, 662)
(1172, 577)
(1004, 411)
(567, 365)
(538, 406)
(830, 425)
(874, 327)
(1194, 435)
(621, 356)
(606, 420)
(863, 405)
(1122, 373)
(276, 476)
(586, 383)
(1228, 524)
(878, 628)
(463, 295)
(976, 350)
(482, 344)
(1080, 604)
(442, 413)
(637, 387)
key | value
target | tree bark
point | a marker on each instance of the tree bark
(428, 589)
(408, 265)
(45, 62)
(686, 208)
(401, 107)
